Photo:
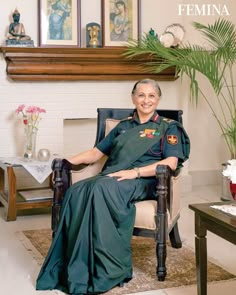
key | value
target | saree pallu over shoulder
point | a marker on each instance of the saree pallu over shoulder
(131, 145)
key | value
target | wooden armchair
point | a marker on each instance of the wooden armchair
(154, 218)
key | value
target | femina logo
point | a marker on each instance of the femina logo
(204, 9)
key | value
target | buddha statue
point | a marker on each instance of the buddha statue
(16, 29)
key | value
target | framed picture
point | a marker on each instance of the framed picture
(59, 23)
(120, 22)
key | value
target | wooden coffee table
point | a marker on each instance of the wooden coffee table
(219, 223)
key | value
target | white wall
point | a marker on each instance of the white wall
(80, 99)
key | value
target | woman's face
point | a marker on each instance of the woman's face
(145, 99)
(120, 7)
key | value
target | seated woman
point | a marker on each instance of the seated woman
(16, 29)
(120, 24)
(91, 251)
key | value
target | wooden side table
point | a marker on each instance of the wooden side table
(217, 222)
(9, 195)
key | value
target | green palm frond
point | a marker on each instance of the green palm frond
(215, 61)
(220, 35)
(187, 60)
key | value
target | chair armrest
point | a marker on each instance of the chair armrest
(61, 182)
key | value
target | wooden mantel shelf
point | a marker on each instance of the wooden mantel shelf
(73, 64)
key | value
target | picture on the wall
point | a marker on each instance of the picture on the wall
(59, 23)
(120, 22)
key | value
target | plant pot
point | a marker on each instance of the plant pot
(225, 189)
(232, 187)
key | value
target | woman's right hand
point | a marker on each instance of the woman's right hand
(124, 174)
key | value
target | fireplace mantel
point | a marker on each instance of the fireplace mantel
(76, 64)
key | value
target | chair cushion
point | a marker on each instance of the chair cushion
(146, 210)
(110, 124)
(146, 214)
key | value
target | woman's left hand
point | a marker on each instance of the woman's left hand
(124, 174)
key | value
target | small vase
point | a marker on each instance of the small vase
(232, 187)
(30, 144)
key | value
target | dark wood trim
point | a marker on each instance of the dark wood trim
(74, 64)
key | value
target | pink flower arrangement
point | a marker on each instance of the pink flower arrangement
(31, 116)
(31, 119)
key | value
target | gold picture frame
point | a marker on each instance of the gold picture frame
(120, 22)
(59, 23)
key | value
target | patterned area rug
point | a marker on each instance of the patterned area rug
(180, 263)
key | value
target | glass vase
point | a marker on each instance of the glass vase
(30, 144)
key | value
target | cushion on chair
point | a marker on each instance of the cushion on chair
(88, 171)
(175, 196)
(146, 210)
(110, 124)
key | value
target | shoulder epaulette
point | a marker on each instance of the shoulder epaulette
(126, 119)
(167, 120)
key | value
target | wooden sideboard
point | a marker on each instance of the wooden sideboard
(76, 64)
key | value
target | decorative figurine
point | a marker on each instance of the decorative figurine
(152, 34)
(16, 33)
(93, 35)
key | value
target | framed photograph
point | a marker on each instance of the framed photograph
(120, 22)
(59, 23)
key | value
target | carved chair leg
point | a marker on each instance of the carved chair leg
(175, 237)
(161, 256)
(161, 259)
(163, 176)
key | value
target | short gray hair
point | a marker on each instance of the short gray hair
(147, 81)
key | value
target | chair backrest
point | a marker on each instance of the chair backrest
(119, 114)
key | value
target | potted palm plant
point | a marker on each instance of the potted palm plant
(215, 61)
